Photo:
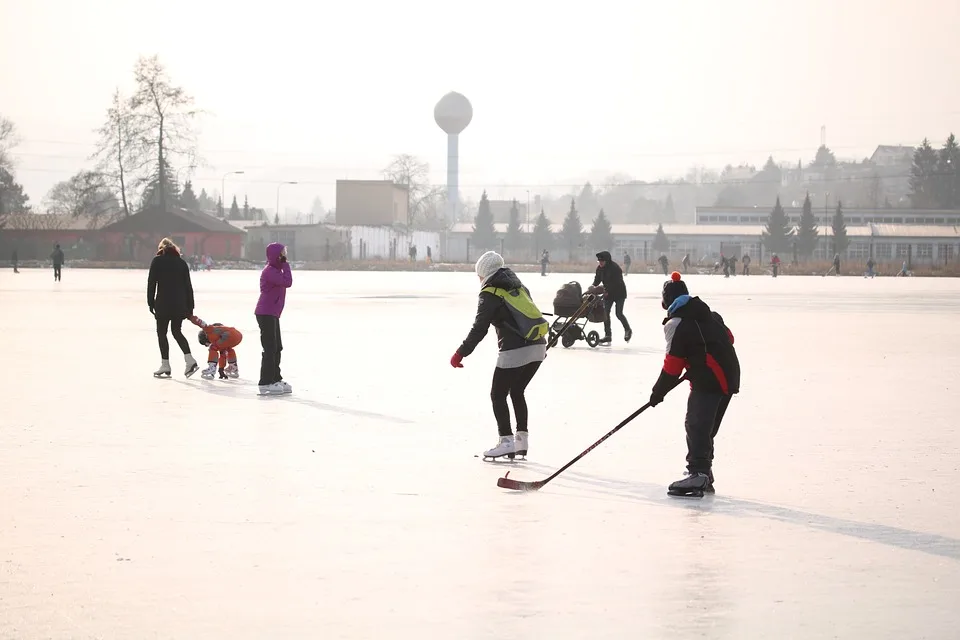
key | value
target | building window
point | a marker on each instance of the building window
(945, 252)
(903, 249)
(883, 251)
(859, 250)
(925, 250)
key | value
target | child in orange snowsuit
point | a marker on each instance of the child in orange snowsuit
(220, 340)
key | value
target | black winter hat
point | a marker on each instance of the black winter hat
(673, 289)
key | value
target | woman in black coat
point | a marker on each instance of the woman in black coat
(170, 299)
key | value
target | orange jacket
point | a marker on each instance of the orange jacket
(221, 338)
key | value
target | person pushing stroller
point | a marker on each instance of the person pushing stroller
(610, 275)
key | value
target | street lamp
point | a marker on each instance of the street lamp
(223, 195)
(278, 193)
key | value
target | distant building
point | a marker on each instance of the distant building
(136, 237)
(501, 210)
(892, 156)
(307, 242)
(371, 203)
(852, 217)
(33, 236)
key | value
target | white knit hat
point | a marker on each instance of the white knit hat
(488, 264)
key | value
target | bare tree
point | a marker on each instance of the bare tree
(118, 151)
(163, 118)
(8, 140)
(85, 195)
(414, 174)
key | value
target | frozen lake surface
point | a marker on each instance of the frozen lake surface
(132, 507)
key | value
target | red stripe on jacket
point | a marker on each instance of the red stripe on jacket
(718, 373)
(673, 366)
(730, 335)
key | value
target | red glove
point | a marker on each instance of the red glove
(455, 360)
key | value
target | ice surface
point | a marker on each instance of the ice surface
(132, 507)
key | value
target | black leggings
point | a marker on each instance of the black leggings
(174, 324)
(511, 382)
(272, 345)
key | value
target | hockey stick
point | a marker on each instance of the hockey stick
(518, 485)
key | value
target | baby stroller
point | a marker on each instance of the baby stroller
(572, 311)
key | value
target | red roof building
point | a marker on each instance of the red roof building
(136, 237)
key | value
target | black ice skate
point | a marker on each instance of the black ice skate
(627, 335)
(693, 485)
(605, 340)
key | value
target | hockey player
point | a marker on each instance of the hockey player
(700, 342)
(220, 341)
(505, 303)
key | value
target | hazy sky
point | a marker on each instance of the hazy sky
(561, 90)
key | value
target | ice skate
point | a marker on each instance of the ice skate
(693, 485)
(521, 442)
(627, 335)
(275, 389)
(164, 369)
(209, 372)
(232, 371)
(507, 447)
(605, 340)
(192, 366)
(285, 386)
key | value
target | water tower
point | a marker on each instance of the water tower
(453, 113)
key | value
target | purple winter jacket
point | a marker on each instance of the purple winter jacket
(275, 279)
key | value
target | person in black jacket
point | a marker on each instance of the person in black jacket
(170, 300)
(57, 258)
(519, 357)
(700, 342)
(614, 295)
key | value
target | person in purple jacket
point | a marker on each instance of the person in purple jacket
(275, 279)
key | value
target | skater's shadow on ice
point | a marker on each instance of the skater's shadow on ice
(245, 390)
(930, 543)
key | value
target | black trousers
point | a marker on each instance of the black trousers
(511, 382)
(56, 271)
(609, 304)
(272, 345)
(705, 412)
(174, 325)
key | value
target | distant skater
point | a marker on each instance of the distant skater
(870, 266)
(626, 263)
(746, 264)
(775, 264)
(544, 261)
(506, 305)
(57, 257)
(15, 260)
(664, 263)
(170, 300)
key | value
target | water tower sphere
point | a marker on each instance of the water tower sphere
(453, 113)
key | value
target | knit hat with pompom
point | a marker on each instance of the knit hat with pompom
(673, 289)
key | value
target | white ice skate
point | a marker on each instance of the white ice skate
(275, 389)
(164, 369)
(521, 442)
(286, 386)
(232, 371)
(192, 366)
(210, 371)
(507, 447)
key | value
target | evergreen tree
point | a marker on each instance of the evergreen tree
(948, 175)
(777, 235)
(246, 209)
(572, 231)
(205, 202)
(661, 243)
(220, 206)
(12, 197)
(669, 212)
(161, 190)
(923, 177)
(807, 233)
(484, 233)
(601, 235)
(188, 199)
(542, 235)
(234, 210)
(840, 239)
(513, 241)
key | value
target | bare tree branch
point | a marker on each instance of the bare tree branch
(85, 195)
(8, 140)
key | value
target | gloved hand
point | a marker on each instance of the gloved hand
(655, 399)
(456, 360)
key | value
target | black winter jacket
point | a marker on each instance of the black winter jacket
(700, 342)
(492, 310)
(611, 275)
(169, 290)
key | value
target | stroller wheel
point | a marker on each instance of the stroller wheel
(569, 337)
(593, 338)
